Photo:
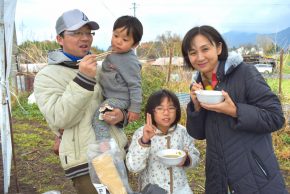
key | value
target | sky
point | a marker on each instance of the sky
(35, 19)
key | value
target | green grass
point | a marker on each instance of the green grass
(286, 67)
(32, 137)
(286, 138)
(22, 110)
(285, 88)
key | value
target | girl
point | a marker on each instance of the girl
(239, 153)
(162, 131)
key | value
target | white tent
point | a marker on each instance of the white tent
(7, 17)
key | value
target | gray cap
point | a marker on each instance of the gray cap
(73, 20)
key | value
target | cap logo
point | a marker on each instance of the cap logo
(85, 18)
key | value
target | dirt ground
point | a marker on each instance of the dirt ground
(28, 162)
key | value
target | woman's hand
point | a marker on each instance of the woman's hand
(113, 117)
(88, 65)
(149, 129)
(195, 86)
(227, 107)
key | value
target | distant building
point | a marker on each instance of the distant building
(258, 59)
(24, 77)
(176, 61)
(31, 68)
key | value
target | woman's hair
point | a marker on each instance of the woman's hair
(211, 34)
(156, 99)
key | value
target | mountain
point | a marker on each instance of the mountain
(282, 38)
(236, 39)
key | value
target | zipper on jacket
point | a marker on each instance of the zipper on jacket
(74, 143)
(168, 139)
(260, 164)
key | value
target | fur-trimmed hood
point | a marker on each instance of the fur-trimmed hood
(233, 60)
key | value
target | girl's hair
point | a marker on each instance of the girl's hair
(156, 99)
(211, 34)
(132, 24)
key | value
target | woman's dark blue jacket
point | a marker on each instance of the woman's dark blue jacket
(239, 152)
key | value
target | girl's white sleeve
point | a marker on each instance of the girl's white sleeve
(137, 156)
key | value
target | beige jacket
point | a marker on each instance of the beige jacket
(65, 104)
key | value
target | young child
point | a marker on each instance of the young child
(162, 131)
(120, 76)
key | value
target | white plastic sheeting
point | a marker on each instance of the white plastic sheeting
(7, 16)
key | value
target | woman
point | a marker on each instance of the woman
(239, 153)
(162, 131)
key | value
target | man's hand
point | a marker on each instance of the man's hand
(113, 117)
(88, 65)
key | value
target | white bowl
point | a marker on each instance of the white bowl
(209, 96)
(171, 157)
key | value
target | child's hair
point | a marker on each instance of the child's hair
(132, 24)
(211, 34)
(156, 99)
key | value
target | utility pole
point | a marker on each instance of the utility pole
(134, 9)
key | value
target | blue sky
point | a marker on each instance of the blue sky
(35, 19)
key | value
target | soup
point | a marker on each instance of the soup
(171, 156)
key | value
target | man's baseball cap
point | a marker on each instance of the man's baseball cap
(73, 20)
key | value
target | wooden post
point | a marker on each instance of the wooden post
(280, 73)
(170, 63)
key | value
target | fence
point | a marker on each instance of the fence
(24, 82)
(183, 98)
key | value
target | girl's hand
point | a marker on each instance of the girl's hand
(181, 164)
(195, 86)
(149, 130)
(227, 107)
(88, 65)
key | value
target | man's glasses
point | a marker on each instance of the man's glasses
(79, 34)
(161, 109)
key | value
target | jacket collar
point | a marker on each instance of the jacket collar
(227, 67)
(170, 130)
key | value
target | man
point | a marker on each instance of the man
(67, 94)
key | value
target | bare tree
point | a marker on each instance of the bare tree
(170, 41)
(266, 43)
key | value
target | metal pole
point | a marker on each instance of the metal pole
(10, 121)
(13, 150)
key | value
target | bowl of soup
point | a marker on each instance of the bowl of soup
(171, 157)
(209, 96)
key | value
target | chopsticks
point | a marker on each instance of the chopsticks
(104, 54)
(101, 55)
